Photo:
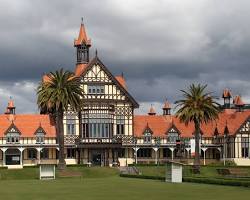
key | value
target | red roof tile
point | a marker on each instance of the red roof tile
(80, 68)
(27, 124)
(161, 124)
(122, 81)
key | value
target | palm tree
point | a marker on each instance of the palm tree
(60, 92)
(197, 106)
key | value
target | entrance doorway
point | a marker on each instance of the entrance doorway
(98, 157)
(13, 157)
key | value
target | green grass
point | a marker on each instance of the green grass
(116, 188)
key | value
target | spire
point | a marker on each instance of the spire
(11, 107)
(82, 36)
(82, 44)
(238, 102)
(151, 110)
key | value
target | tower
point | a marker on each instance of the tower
(11, 107)
(227, 98)
(166, 108)
(82, 44)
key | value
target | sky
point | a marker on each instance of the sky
(161, 46)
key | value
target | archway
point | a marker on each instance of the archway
(13, 157)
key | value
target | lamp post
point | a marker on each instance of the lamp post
(157, 146)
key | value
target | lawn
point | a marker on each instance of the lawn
(115, 187)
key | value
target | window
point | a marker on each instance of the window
(13, 137)
(144, 153)
(147, 136)
(120, 121)
(71, 153)
(45, 154)
(97, 122)
(173, 136)
(244, 147)
(32, 153)
(70, 124)
(39, 136)
(95, 89)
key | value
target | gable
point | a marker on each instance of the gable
(245, 128)
(96, 73)
(12, 129)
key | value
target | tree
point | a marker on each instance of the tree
(197, 106)
(59, 92)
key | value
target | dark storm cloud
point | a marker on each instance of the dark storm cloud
(161, 46)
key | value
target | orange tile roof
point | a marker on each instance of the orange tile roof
(161, 124)
(27, 124)
(122, 81)
(226, 93)
(238, 101)
(80, 68)
(82, 37)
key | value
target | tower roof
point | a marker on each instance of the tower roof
(11, 104)
(82, 37)
(166, 105)
(151, 111)
(238, 101)
(226, 93)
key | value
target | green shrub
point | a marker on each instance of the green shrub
(143, 177)
(217, 181)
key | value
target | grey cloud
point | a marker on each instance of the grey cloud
(161, 47)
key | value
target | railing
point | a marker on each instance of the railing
(28, 141)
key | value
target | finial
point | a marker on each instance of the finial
(82, 20)
(96, 52)
(122, 75)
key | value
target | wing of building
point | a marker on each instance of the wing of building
(106, 131)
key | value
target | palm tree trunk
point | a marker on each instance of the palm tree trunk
(197, 147)
(60, 137)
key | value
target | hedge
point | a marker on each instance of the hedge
(143, 177)
(195, 180)
(217, 181)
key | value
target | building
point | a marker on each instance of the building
(107, 132)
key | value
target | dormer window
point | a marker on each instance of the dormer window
(172, 136)
(147, 136)
(13, 137)
(40, 136)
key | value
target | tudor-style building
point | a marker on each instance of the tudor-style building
(106, 131)
(108, 112)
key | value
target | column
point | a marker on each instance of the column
(156, 157)
(135, 153)
(172, 151)
(4, 149)
(39, 149)
(21, 155)
(204, 152)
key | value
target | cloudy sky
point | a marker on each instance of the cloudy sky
(161, 46)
